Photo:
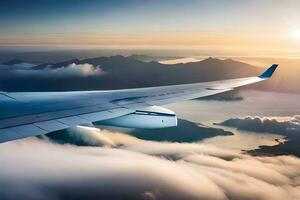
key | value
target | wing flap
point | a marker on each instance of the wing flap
(56, 114)
(19, 132)
(44, 127)
(51, 125)
(98, 116)
(29, 128)
(73, 121)
(9, 134)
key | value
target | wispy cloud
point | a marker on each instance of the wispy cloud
(71, 70)
(65, 71)
(126, 167)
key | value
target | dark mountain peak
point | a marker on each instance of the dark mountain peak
(141, 57)
(74, 60)
(221, 62)
(212, 59)
(118, 57)
(230, 60)
(65, 63)
(57, 65)
(154, 62)
(121, 58)
(99, 60)
(138, 55)
(209, 60)
(128, 60)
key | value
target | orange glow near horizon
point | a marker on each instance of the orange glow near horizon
(259, 40)
(251, 27)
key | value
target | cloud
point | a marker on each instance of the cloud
(124, 167)
(81, 136)
(278, 125)
(71, 70)
(23, 65)
(78, 69)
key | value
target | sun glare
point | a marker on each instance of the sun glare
(296, 34)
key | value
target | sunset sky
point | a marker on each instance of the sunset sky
(94, 99)
(256, 24)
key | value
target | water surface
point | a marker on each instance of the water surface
(255, 103)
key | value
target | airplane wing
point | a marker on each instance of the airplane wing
(37, 113)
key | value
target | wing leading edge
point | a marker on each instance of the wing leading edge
(30, 114)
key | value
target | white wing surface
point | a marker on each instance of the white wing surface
(36, 113)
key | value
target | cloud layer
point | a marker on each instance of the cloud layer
(124, 167)
(279, 125)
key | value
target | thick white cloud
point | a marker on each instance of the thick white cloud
(127, 167)
(78, 69)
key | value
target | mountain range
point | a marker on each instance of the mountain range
(129, 72)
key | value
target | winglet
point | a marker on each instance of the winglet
(268, 73)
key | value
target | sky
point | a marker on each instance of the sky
(115, 165)
(261, 25)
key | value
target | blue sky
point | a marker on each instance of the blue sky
(75, 15)
(149, 22)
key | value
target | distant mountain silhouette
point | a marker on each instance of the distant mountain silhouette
(119, 68)
(14, 61)
(129, 72)
(207, 69)
(146, 58)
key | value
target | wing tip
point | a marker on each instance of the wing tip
(269, 72)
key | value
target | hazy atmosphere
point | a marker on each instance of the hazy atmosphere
(241, 144)
(249, 27)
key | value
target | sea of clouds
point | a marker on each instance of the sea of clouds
(120, 166)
